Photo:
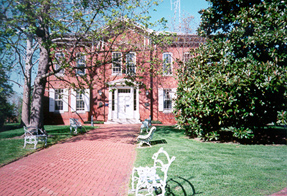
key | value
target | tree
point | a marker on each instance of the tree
(50, 23)
(236, 81)
(6, 108)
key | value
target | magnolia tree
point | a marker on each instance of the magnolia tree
(236, 81)
(70, 25)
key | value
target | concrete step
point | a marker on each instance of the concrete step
(123, 121)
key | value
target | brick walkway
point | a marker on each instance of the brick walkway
(97, 163)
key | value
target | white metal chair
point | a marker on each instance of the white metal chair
(146, 138)
(32, 135)
(153, 179)
(74, 123)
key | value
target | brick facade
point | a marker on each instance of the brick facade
(107, 97)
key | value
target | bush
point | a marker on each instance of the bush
(216, 92)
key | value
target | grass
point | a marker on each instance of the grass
(218, 168)
(11, 142)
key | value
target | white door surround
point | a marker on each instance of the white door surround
(123, 103)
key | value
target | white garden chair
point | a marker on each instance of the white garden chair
(146, 138)
(152, 178)
(32, 135)
(74, 123)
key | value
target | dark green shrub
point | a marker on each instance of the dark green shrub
(238, 78)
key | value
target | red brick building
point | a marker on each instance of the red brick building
(138, 79)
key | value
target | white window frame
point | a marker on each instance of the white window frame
(161, 99)
(80, 62)
(59, 56)
(52, 100)
(166, 64)
(86, 98)
(117, 62)
(167, 97)
(80, 101)
(133, 62)
(59, 94)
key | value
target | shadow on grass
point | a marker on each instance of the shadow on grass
(267, 135)
(179, 186)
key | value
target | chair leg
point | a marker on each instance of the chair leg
(24, 143)
(35, 144)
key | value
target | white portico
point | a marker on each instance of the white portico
(123, 102)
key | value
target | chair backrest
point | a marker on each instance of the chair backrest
(151, 132)
(74, 122)
(164, 164)
(31, 130)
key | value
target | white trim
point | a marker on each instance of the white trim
(121, 64)
(115, 86)
(65, 100)
(87, 100)
(134, 61)
(160, 99)
(73, 100)
(51, 100)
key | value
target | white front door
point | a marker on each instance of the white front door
(125, 104)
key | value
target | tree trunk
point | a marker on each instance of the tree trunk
(27, 84)
(39, 86)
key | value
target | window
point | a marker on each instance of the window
(81, 63)
(167, 64)
(124, 90)
(80, 100)
(131, 63)
(186, 57)
(167, 99)
(80, 104)
(59, 60)
(59, 99)
(117, 62)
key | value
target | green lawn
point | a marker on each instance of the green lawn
(11, 143)
(218, 168)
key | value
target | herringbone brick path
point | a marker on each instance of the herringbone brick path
(97, 163)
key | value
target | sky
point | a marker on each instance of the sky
(187, 7)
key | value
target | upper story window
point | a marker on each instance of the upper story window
(59, 106)
(131, 63)
(186, 57)
(81, 63)
(167, 64)
(80, 104)
(117, 62)
(59, 57)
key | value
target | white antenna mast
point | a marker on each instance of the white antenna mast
(175, 6)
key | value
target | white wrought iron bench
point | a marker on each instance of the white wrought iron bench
(32, 135)
(146, 124)
(146, 138)
(74, 123)
(152, 180)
